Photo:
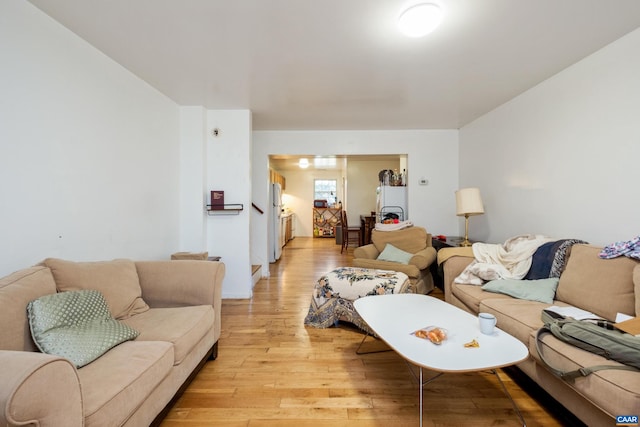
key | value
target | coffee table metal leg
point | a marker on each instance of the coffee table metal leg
(358, 351)
(421, 386)
(422, 382)
(513, 402)
(419, 378)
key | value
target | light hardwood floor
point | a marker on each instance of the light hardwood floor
(272, 371)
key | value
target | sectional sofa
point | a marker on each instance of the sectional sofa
(174, 306)
(604, 287)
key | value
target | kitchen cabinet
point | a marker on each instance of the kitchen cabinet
(288, 228)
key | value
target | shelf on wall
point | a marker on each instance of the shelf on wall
(227, 209)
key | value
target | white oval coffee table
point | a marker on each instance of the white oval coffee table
(394, 318)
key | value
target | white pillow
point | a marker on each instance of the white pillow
(542, 290)
(393, 254)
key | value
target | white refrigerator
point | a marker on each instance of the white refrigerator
(392, 200)
(275, 222)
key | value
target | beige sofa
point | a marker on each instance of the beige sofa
(603, 287)
(175, 305)
(414, 240)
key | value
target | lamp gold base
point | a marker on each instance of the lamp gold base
(465, 243)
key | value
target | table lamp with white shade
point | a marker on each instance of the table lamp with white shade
(468, 202)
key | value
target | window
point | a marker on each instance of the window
(325, 189)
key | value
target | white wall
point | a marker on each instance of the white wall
(362, 181)
(562, 159)
(193, 179)
(229, 169)
(432, 154)
(217, 163)
(88, 151)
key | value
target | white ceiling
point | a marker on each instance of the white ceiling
(341, 64)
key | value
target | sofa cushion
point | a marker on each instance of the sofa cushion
(616, 392)
(541, 290)
(602, 286)
(16, 290)
(116, 384)
(393, 254)
(516, 317)
(184, 327)
(76, 325)
(117, 280)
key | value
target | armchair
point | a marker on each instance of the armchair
(414, 240)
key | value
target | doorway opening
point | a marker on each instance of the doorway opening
(357, 180)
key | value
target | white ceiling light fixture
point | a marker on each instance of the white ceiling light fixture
(420, 19)
(303, 163)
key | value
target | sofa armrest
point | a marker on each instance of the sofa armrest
(452, 268)
(367, 252)
(424, 258)
(39, 389)
(180, 283)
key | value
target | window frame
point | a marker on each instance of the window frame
(326, 194)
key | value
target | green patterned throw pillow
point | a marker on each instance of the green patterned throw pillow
(76, 325)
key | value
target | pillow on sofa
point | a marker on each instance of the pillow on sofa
(76, 325)
(542, 290)
(393, 254)
(117, 280)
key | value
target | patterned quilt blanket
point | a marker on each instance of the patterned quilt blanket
(334, 293)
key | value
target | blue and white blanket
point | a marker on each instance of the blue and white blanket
(628, 248)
